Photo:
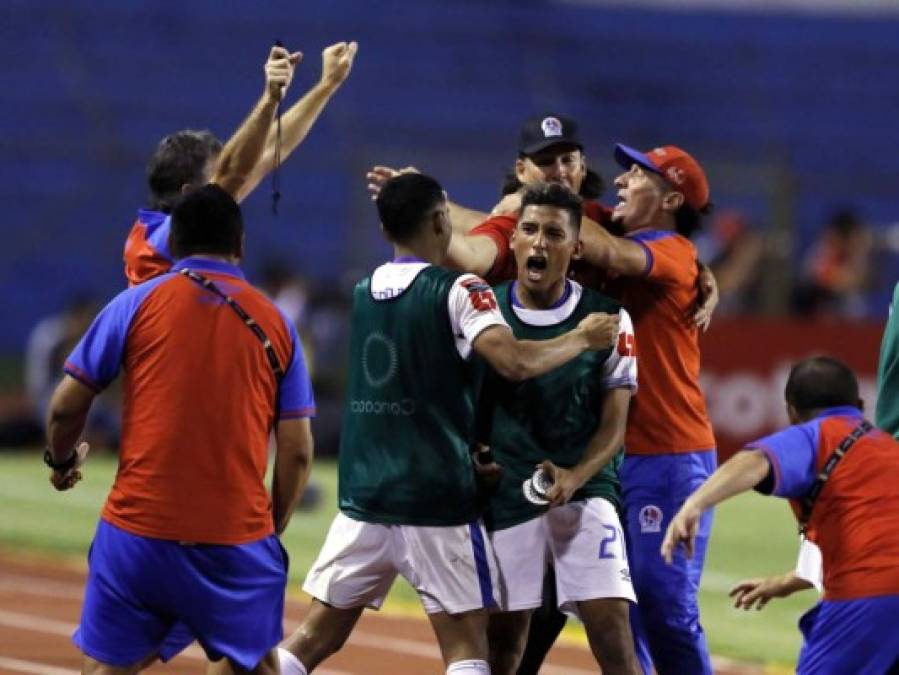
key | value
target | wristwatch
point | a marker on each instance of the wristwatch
(62, 467)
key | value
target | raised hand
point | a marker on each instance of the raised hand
(378, 176)
(337, 62)
(279, 70)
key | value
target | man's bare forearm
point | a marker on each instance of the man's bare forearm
(295, 126)
(293, 463)
(243, 150)
(742, 472)
(609, 438)
(67, 416)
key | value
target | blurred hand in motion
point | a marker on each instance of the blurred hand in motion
(378, 176)
(706, 298)
(337, 62)
(601, 329)
(758, 592)
(509, 205)
(66, 480)
(279, 70)
(681, 531)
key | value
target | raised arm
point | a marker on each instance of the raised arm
(615, 254)
(243, 150)
(473, 253)
(742, 472)
(337, 62)
(606, 442)
(522, 359)
(293, 462)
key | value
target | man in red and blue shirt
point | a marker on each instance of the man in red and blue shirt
(188, 159)
(187, 534)
(854, 520)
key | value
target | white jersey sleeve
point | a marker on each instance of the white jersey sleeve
(620, 368)
(472, 309)
(810, 566)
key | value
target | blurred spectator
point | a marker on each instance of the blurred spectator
(733, 251)
(49, 343)
(836, 272)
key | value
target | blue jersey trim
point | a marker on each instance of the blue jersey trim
(158, 225)
(207, 265)
(651, 235)
(480, 561)
(98, 356)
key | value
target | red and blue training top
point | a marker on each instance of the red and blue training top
(200, 400)
(146, 253)
(856, 517)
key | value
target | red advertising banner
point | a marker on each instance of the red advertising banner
(745, 363)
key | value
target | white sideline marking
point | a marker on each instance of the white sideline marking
(426, 650)
(39, 586)
(33, 667)
(42, 625)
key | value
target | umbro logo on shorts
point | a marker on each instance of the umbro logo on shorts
(625, 574)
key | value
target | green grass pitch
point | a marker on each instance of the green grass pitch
(752, 536)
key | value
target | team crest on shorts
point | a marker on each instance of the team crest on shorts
(551, 127)
(650, 519)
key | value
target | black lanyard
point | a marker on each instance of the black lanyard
(248, 321)
(808, 502)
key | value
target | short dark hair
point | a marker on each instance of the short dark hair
(688, 220)
(553, 194)
(405, 201)
(206, 220)
(821, 382)
(179, 159)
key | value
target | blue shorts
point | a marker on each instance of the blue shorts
(149, 596)
(851, 636)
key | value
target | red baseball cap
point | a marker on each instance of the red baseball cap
(676, 166)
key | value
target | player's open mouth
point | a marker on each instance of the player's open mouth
(536, 266)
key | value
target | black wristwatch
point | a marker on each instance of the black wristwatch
(62, 467)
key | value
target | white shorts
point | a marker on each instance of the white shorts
(585, 543)
(452, 568)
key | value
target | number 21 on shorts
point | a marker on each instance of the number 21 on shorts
(612, 542)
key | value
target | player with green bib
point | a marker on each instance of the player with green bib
(407, 487)
(570, 423)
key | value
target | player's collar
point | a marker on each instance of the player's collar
(207, 265)
(556, 314)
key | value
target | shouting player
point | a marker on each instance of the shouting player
(550, 150)
(571, 422)
(407, 484)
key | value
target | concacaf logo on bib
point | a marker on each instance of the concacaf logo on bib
(650, 519)
(379, 359)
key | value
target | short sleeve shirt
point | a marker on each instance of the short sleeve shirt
(856, 515)
(669, 414)
(200, 400)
